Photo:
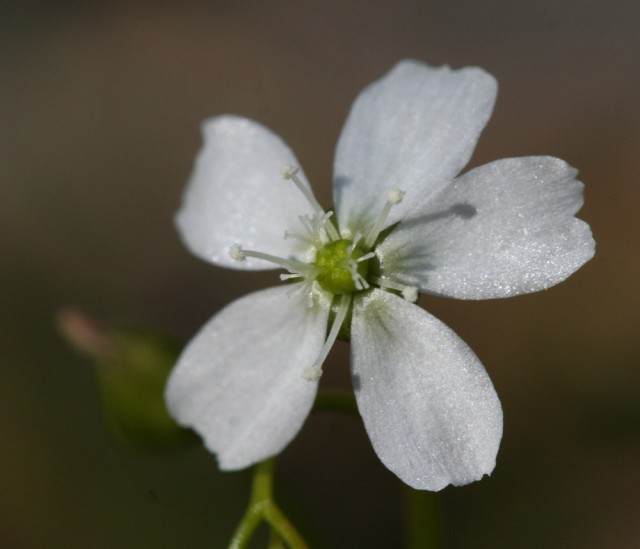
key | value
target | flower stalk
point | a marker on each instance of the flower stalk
(262, 507)
(421, 519)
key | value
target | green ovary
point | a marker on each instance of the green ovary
(333, 262)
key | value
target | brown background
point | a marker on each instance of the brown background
(99, 111)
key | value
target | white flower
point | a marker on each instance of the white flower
(404, 220)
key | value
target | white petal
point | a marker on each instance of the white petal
(428, 405)
(239, 383)
(503, 229)
(236, 194)
(414, 129)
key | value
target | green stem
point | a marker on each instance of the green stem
(263, 507)
(245, 530)
(275, 541)
(284, 528)
(421, 531)
(421, 519)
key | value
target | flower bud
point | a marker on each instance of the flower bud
(132, 368)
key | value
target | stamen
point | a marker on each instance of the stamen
(238, 253)
(410, 293)
(352, 264)
(354, 243)
(313, 372)
(359, 282)
(289, 234)
(290, 173)
(365, 257)
(324, 223)
(394, 196)
(310, 225)
(305, 221)
(289, 276)
(306, 286)
(352, 247)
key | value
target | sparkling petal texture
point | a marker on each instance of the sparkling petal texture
(428, 405)
(239, 381)
(503, 229)
(414, 129)
(236, 194)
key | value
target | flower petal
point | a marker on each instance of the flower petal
(428, 405)
(503, 229)
(239, 381)
(414, 129)
(236, 194)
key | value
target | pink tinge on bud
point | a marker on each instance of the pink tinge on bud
(84, 332)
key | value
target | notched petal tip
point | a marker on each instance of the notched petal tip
(505, 228)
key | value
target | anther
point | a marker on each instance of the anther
(312, 373)
(288, 171)
(395, 196)
(410, 293)
(237, 253)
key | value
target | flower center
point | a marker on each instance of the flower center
(343, 267)
(340, 266)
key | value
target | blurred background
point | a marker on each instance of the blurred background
(100, 106)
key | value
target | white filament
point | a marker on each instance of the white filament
(238, 253)
(313, 372)
(290, 173)
(394, 196)
(410, 293)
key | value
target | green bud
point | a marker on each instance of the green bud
(132, 368)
